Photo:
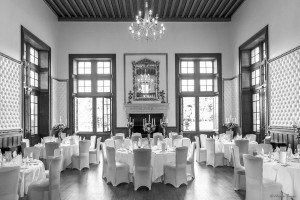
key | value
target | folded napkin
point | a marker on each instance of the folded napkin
(282, 157)
(14, 154)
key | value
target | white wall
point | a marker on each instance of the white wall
(105, 37)
(283, 18)
(35, 16)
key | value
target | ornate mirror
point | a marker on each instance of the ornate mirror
(145, 80)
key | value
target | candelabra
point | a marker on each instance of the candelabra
(130, 125)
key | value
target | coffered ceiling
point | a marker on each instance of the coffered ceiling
(126, 10)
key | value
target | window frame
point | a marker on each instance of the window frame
(94, 94)
(197, 76)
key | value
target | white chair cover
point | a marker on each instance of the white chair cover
(118, 137)
(229, 135)
(251, 137)
(266, 147)
(51, 185)
(121, 134)
(213, 158)
(190, 161)
(177, 142)
(168, 142)
(119, 143)
(142, 168)
(93, 142)
(32, 150)
(63, 135)
(104, 159)
(203, 140)
(156, 137)
(116, 172)
(157, 133)
(243, 148)
(27, 142)
(134, 134)
(82, 160)
(9, 180)
(239, 180)
(176, 175)
(95, 153)
(135, 138)
(49, 148)
(256, 187)
(200, 152)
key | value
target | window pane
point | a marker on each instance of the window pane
(188, 114)
(84, 67)
(104, 86)
(103, 67)
(84, 86)
(206, 67)
(187, 67)
(84, 114)
(187, 85)
(208, 113)
(103, 114)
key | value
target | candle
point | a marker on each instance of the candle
(133, 121)
(59, 119)
(167, 120)
(154, 121)
(160, 121)
(129, 119)
(149, 119)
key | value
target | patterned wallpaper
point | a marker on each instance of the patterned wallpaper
(284, 89)
(231, 98)
(10, 94)
(59, 101)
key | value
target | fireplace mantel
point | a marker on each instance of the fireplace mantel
(146, 108)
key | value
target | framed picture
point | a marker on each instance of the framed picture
(145, 76)
(59, 99)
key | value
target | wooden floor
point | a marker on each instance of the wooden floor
(210, 183)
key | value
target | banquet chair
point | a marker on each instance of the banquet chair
(257, 187)
(157, 133)
(203, 140)
(298, 148)
(239, 179)
(156, 137)
(50, 147)
(119, 143)
(120, 134)
(34, 150)
(176, 137)
(104, 159)
(172, 133)
(190, 161)
(142, 168)
(117, 172)
(93, 142)
(266, 147)
(94, 154)
(243, 148)
(200, 152)
(135, 138)
(177, 142)
(213, 158)
(134, 134)
(26, 141)
(221, 136)
(9, 177)
(282, 149)
(176, 174)
(267, 140)
(57, 153)
(82, 160)
(118, 137)
(251, 137)
(50, 185)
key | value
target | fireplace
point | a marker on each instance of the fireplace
(138, 122)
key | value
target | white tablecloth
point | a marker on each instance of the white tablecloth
(225, 147)
(159, 159)
(68, 152)
(287, 176)
(35, 171)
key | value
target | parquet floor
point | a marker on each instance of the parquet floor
(210, 184)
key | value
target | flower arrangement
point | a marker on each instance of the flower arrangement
(149, 127)
(230, 125)
(59, 127)
(130, 124)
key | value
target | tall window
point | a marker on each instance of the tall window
(198, 88)
(93, 86)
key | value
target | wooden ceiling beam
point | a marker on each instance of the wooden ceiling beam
(205, 8)
(118, 8)
(91, 8)
(56, 8)
(192, 8)
(77, 7)
(71, 8)
(49, 6)
(112, 9)
(125, 9)
(84, 8)
(185, 7)
(172, 8)
(64, 9)
(219, 7)
(226, 7)
(232, 8)
(212, 8)
(104, 8)
(166, 8)
(199, 8)
(98, 8)
(179, 7)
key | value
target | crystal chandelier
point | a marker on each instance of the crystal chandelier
(147, 27)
